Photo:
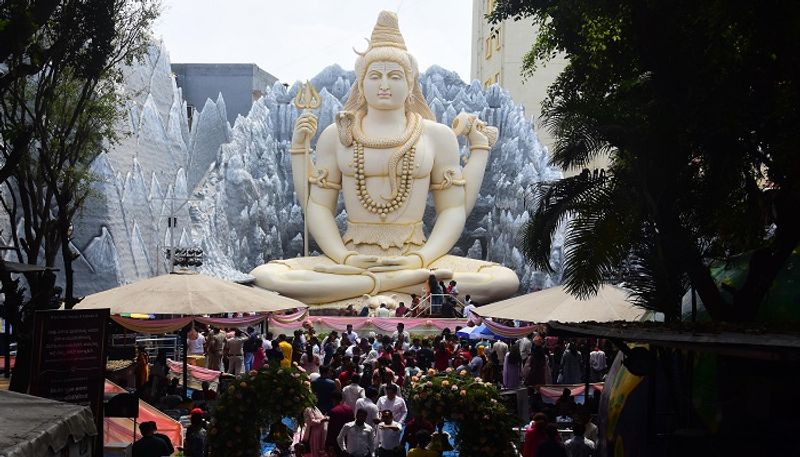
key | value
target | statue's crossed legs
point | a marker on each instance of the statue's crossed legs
(318, 279)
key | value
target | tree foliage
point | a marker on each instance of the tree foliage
(58, 112)
(697, 105)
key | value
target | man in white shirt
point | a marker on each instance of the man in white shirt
(393, 403)
(501, 349)
(196, 342)
(350, 334)
(367, 403)
(578, 446)
(353, 391)
(468, 308)
(401, 331)
(383, 311)
(388, 434)
(357, 438)
(525, 344)
(597, 362)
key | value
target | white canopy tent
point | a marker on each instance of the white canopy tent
(38, 427)
(188, 294)
(556, 304)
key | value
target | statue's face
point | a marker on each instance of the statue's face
(385, 85)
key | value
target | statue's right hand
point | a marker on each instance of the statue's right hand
(363, 261)
(304, 129)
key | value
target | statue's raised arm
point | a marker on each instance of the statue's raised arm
(386, 153)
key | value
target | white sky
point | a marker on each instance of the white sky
(294, 40)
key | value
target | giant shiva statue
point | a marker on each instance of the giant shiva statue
(386, 153)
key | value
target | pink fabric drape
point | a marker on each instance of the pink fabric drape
(553, 391)
(199, 373)
(230, 321)
(152, 326)
(298, 316)
(511, 332)
(384, 324)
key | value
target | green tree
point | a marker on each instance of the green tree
(696, 104)
(72, 109)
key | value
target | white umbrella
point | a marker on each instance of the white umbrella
(555, 304)
(189, 294)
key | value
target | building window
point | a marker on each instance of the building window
(487, 83)
(489, 6)
(497, 40)
(488, 47)
(497, 77)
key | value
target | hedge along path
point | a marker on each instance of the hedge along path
(484, 426)
(255, 401)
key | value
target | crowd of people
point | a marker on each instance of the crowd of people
(358, 381)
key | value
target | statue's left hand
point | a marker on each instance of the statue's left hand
(395, 263)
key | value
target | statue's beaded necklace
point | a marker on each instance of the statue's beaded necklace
(400, 185)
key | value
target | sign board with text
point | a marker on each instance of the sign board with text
(69, 358)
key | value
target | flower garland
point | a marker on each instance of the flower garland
(483, 424)
(254, 401)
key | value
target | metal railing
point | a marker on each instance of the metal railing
(426, 307)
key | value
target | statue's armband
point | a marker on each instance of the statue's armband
(449, 179)
(321, 180)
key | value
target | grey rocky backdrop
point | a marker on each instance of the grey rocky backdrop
(230, 188)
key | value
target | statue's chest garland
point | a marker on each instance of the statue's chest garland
(400, 167)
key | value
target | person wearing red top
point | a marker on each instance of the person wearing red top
(337, 417)
(441, 358)
(536, 435)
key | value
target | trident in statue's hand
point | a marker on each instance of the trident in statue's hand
(305, 127)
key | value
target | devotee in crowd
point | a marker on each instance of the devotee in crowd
(565, 404)
(452, 289)
(469, 307)
(216, 349)
(414, 427)
(448, 309)
(551, 446)
(350, 334)
(364, 311)
(525, 345)
(423, 439)
(286, 348)
(339, 415)
(196, 442)
(163, 438)
(142, 369)
(314, 431)
(249, 348)
(259, 355)
(393, 403)
(310, 361)
(356, 439)
(195, 342)
(388, 434)
(324, 387)
(368, 404)
(353, 391)
(158, 375)
(578, 445)
(401, 332)
(234, 348)
(597, 363)
(150, 445)
(535, 435)
(382, 311)
(401, 310)
(571, 366)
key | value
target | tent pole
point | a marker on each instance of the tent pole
(586, 369)
(185, 338)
